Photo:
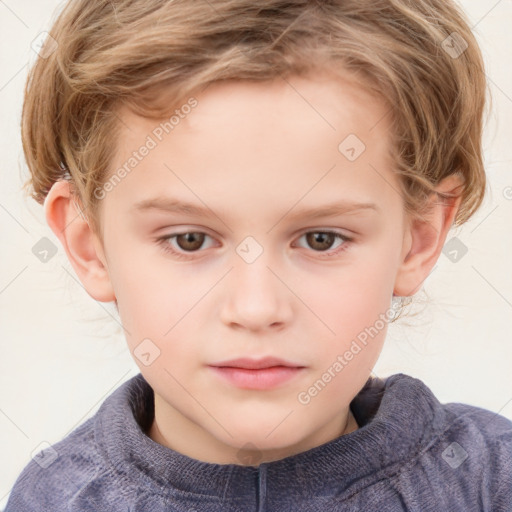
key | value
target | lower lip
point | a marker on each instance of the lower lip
(264, 378)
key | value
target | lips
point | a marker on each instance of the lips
(257, 374)
(256, 364)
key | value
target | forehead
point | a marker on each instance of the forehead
(320, 98)
(274, 141)
(335, 101)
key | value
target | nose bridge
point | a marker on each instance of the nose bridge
(256, 297)
(252, 276)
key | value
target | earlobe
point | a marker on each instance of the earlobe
(79, 241)
(424, 239)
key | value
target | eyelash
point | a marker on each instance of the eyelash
(163, 242)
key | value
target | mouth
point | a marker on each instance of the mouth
(257, 374)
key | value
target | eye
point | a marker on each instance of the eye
(322, 241)
(189, 241)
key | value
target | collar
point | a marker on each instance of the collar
(397, 417)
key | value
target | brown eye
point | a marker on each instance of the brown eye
(190, 241)
(185, 244)
(320, 240)
(325, 242)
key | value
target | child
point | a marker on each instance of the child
(261, 130)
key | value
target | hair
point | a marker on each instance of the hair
(150, 55)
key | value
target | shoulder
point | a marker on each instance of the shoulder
(486, 435)
(477, 446)
(79, 472)
(471, 457)
(484, 429)
(463, 452)
(56, 473)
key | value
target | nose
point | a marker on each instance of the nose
(256, 298)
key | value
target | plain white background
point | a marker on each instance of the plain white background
(63, 353)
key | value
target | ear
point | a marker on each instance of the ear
(424, 239)
(82, 246)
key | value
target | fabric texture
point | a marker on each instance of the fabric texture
(410, 453)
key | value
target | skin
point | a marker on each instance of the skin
(254, 154)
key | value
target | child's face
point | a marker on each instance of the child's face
(255, 282)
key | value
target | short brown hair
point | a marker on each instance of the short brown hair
(111, 53)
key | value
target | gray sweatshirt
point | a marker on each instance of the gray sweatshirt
(410, 453)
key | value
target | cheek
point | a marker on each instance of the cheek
(353, 304)
(359, 317)
(153, 300)
(352, 298)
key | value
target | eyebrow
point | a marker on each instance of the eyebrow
(329, 210)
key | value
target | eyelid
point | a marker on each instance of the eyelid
(326, 229)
